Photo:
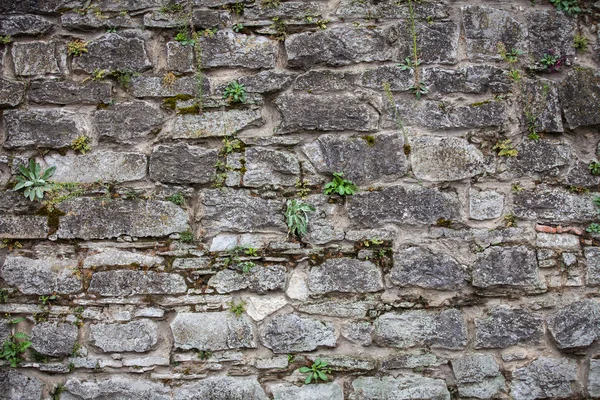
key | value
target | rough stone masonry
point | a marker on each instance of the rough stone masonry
(159, 265)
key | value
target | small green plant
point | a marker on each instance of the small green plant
(58, 391)
(593, 228)
(515, 75)
(13, 347)
(516, 187)
(186, 237)
(549, 60)
(184, 38)
(594, 167)
(302, 188)
(340, 186)
(280, 29)
(250, 252)
(81, 144)
(123, 76)
(510, 56)
(235, 93)
(246, 266)
(409, 64)
(291, 358)
(45, 300)
(532, 126)
(112, 29)
(296, 216)
(510, 221)
(374, 241)
(569, 6)
(580, 42)
(238, 309)
(270, 3)
(176, 198)
(34, 181)
(419, 89)
(5, 39)
(235, 8)
(3, 296)
(505, 148)
(322, 23)
(76, 48)
(238, 27)
(204, 354)
(171, 9)
(318, 370)
(99, 74)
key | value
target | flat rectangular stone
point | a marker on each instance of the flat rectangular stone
(155, 86)
(11, 93)
(180, 163)
(562, 241)
(41, 276)
(39, 58)
(113, 52)
(212, 331)
(130, 282)
(107, 166)
(228, 49)
(216, 123)
(554, 206)
(66, 92)
(23, 227)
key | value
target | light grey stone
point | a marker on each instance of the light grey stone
(397, 79)
(127, 122)
(16, 385)
(412, 359)
(107, 166)
(155, 86)
(329, 391)
(390, 9)
(593, 382)
(228, 49)
(259, 279)
(544, 378)
(212, 331)
(130, 282)
(214, 123)
(23, 227)
(265, 166)
(180, 58)
(563, 241)
(291, 333)
(592, 259)
(471, 79)
(54, 339)
(358, 332)
(554, 206)
(419, 266)
(17, 25)
(136, 336)
(341, 308)
(113, 52)
(41, 276)
(540, 156)
(485, 204)
(503, 327)
(478, 376)
(575, 325)
(39, 58)
(92, 19)
(222, 388)
(404, 387)
(115, 387)
(110, 256)
(260, 307)
(345, 275)
(266, 81)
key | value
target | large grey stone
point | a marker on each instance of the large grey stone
(503, 327)
(592, 261)
(446, 330)
(324, 80)
(390, 9)
(237, 211)
(41, 276)
(408, 387)
(54, 339)
(109, 256)
(129, 282)
(89, 218)
(485, 204)
(345, 275)
(42, 128)
(265, 166)
(180, 58)
(361, 159)
(215, 123)
(419, 266)
(478, 376)
(138, 336)
(338, 46)
(331, 112)
(540, 156)
(294, 12)
(402, 204)
(549, 29)
(266, 81)
(541, 106)
(212, 331)
(514, 267)
(113, 52)
(486, 27)
(358, 332)
(290, 333)
(181, 163)
(259, 279)
(11, 93)
(471, 79)
(16, 385)
(39, 58)
(107, 166)
(329, 391)
(17, 25)
(554, 206)
(579, 95)
(593, 382)
(222, 388)
(127, 122)
(575, 325)
(114, 387)
(445, 159)
(397, 79)
(228, 49)
(545, 378)
(68, 92)
(155, 86)
(92, 19)
(437, 41)
(23, 227)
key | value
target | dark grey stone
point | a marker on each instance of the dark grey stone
(221, 388)
(579, 175)
(92, 20)
(154, 86)
(305, 112)
(228, 49)
(293, 12)
(478, 376)
(544, 378)
(345, 275)
(89, 218)
(323, 80)
(67, 92)
(212, 331)
(260, 279)
(113, 52)
(136, 336)
(17, 25)
(265, 167)
(541, 106)
(180, 58)
(41, 276)
(579, 93)
(23, 227)
(550, 30)
(54, 339)
(39, 58)
(472, 79)
(592, 261)
(419, 266)
(181, 163)
(267, 81)
(11, 93)
(540, 156)
(129, 282)
(127, 5)
(115, 387)
(575, 325)
(390, 9)
(402, 204)
(504, 327)
(290, 333)
(437, 41)
(554, 206)
(399, 80)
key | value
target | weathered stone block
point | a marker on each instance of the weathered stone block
(362, 159)
(89, 218)
(485, 27)
(260, 279)
(593, 382)
(114, 52)
(358, 332)
(114, 257)
(222, 388)
(94, 20)
(54, 339)
(11, 93)
(23, 227)
(212, 331)
(445, 159)
(399, 80)
(323, 80)
(575, 325)
(16, 385)
(390, 9)
(66, 92)
(305, 112)
(260, 307)
(237, 211)
(437, 41)
(340, 308)
(419, 266)
(228, 49)
(446, 330)
(541, 106)
(579, 96)
(127, 122)
(338, 46)
(41, 276)
(138, 336)
(39, 58)
(554, 206)
(290, 333)
(294, 12)
(402, 204)
(155, 86)
(345, 275)
(485, 204)
(330, 391)
(107, 166)
(267, 81)
(403, 387)
(179, 58)
(115, 387)
(265, 166)
(17, 25)
(42, 128)
(180, 163)
(504, 327)
(550, 30)
(540, 156)
(478, 376)
(129, 282)
(472, 79)
(592, 260)
(215, 123)
(544, 378)
(507, 266)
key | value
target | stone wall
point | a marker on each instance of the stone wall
(160, 266)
